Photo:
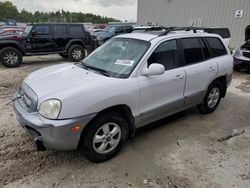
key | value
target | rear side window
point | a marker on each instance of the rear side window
(60, 29)
(192, 50)
(165, 54)
(120, 29)
(75, 30)
(42, 29)
(128, 29)
(217, 48)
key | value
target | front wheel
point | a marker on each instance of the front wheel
(76, 53)
(104, 137)
(11, 57)
(212, 98)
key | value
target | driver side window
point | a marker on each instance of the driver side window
(165, 54)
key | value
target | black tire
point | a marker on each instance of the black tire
(64, 55)
(5, 52)
(87, 140)
(73, 49)
(237, 68)
(204, 107)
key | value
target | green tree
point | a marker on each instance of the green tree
(8, 11)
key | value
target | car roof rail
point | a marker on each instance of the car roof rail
(224, 32)
(168, 30)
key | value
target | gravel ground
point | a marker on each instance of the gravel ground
(179, 151)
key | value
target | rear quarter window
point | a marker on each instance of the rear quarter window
(75, 29)
(216, 46)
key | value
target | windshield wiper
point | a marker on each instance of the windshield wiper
(82, 65)
(103, 72)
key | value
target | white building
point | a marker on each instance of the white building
(233, 14)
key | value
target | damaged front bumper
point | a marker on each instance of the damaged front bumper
(54, 134)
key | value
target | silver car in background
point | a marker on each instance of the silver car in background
(242, 57)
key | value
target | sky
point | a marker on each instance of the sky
(119, 9)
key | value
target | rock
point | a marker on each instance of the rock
(130, 184)
(2, 134)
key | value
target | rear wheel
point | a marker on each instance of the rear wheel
(104, 137)
(212, 98)
(76, 53)
(11, 57)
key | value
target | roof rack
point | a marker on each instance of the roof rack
(224, 34)
(194, 29)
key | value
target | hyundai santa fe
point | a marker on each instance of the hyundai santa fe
(130, 81)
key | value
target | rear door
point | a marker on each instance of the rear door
(162, 95)
(199, 67)
(60, 36)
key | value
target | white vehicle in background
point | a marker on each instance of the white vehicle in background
(130, 81)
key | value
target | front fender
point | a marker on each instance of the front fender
(10, 43)
(94, 102)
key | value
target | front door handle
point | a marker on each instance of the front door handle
(211, 69)
(179, 77)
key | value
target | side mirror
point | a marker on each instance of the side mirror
(154, 70)
(33, 33)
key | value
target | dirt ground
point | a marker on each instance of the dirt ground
(179, 151)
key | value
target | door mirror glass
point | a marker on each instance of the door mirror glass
(154, 70)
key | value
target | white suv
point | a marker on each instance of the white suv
(130, 81)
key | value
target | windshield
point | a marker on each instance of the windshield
(118, 57)
(27, 30)
(110, 29)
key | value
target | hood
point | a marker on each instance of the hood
(103, 34)
(11, 37)
(65, 80)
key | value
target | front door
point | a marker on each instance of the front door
(162, 95)
(41, 40)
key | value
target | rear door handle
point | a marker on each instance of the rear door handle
(179, 77)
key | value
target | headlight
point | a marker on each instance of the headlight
(50, 108)
(238, 52)
(100, 40)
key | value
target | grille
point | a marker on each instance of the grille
(246, 54)
(27, 98)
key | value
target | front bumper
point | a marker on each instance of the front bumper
(54, 134)
(241, 60)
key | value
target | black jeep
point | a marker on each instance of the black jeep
(69, 40)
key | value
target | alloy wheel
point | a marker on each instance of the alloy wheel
(107, 138)
(77, 53)
(10, 57)
(213, 97)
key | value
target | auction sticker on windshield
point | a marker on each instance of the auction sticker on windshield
(124, 62)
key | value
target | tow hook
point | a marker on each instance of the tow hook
(39, 145)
